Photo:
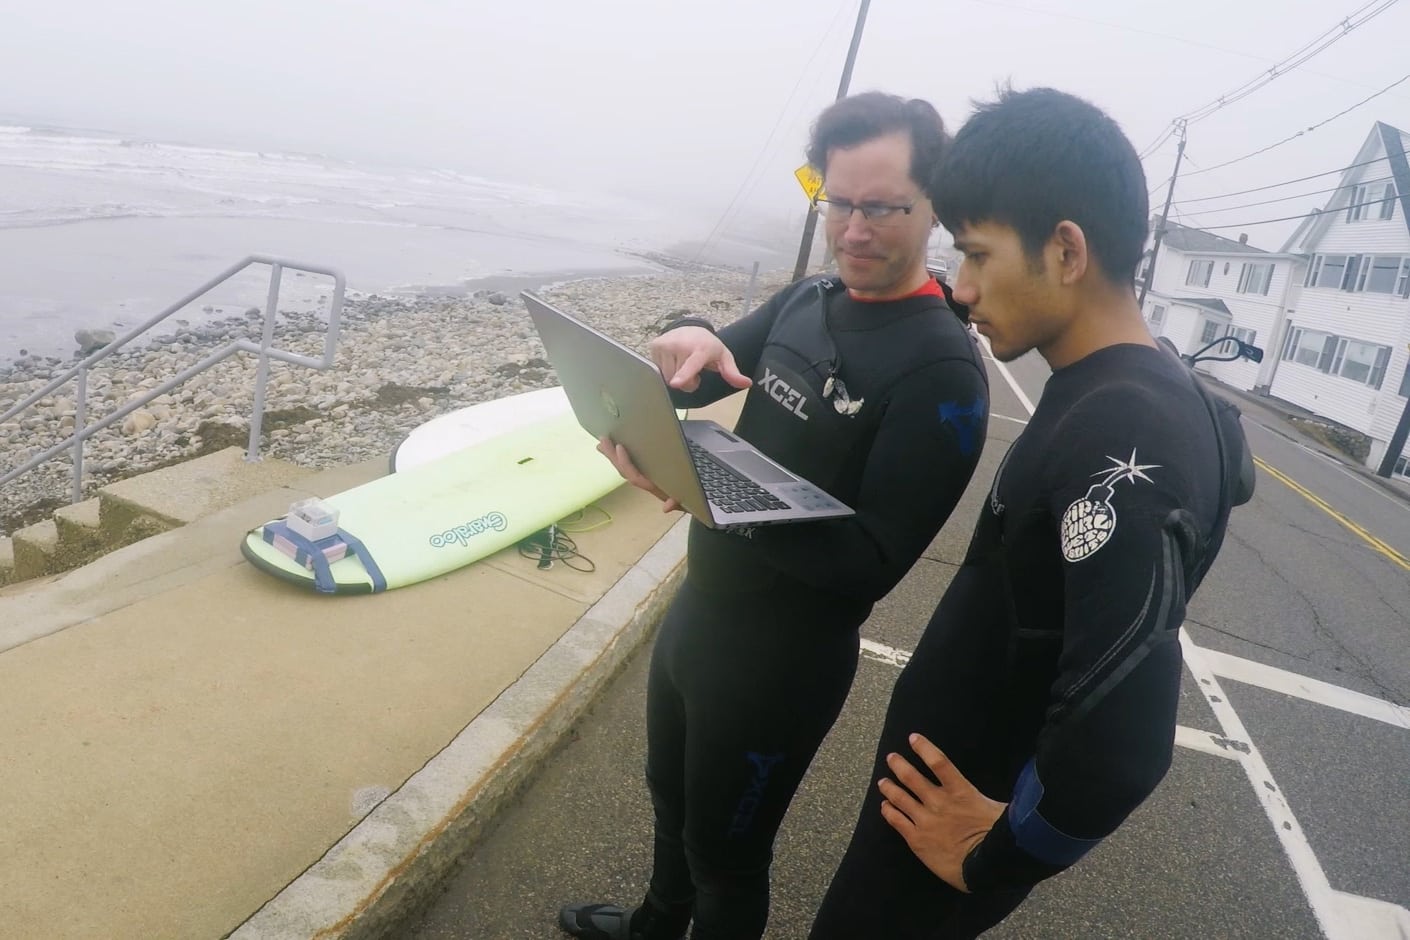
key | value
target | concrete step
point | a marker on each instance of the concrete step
(7, 561)
(80, 537)
(35, 548)
(146, 505)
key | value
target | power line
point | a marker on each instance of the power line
(1300, 179)
(778, 122)
(1268, 202)
(1308, 130)
(1288, 218)
(1150, 32)
(1159, 142)
(1156, 188)
(1324, 41)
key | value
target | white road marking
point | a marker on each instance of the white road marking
(1320, 896)
(1313, 690)
(1371, 917)
(1204, 741)
(1008, 376)
(1207, 742)
(884, 654)
(1007, 418)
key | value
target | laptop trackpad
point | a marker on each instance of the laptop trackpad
(754, 466)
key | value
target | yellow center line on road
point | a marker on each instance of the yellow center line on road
(1321, 504)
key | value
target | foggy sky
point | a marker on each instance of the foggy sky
(673, 101)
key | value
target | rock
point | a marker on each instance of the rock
(89, 341)
(498, 299)
(139, 422)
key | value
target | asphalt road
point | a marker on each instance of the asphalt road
(1285, 803)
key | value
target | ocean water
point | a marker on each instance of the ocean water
(98, 230)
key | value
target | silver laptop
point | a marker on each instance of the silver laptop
(719, 478)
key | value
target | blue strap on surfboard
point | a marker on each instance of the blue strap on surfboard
(379, 581)
(322, 570)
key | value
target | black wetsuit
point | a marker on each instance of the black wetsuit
(1050, 670)
(757, 652)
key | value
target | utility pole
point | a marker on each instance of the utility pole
(810, 227)
(1160, 226)
(1397, 443)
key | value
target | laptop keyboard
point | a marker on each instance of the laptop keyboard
(729, 490)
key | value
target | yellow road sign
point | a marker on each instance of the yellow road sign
(811, 181)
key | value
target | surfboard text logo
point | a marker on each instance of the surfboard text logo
(462, 534)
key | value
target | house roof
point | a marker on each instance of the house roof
(1184, 238)
(1393, 142)
(1208, 303)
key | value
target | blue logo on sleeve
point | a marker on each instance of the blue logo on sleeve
(967, 420)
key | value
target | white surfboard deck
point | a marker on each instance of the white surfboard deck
(474, 424)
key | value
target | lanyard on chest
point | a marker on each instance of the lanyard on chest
(834, 389)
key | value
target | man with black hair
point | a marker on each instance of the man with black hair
(868, 384)
(1038, 709)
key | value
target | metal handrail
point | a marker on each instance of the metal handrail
(264, 349)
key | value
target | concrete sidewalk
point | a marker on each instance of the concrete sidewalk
(194, 749)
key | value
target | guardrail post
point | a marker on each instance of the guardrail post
(271, 310)
(80, 418)
(749, 293)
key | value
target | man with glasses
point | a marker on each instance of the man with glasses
(869, 384)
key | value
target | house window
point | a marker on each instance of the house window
(1371, 201)
(1383, 275)
(1255, 278)
(1199, 273)
(1402, 286)
(1330, 270)
(1355, 206)
(1157, 315)
(1362, 362)
(1337, 355)
(1210, 332)
(1309, 347)
(1405, 383)
(1312, 270)
(1247, 336)
(1355, 277)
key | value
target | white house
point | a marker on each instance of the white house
(1206, 286)
(1343, 352)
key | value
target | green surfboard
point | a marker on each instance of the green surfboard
(451, 511)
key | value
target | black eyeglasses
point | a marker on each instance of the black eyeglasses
(840, 210)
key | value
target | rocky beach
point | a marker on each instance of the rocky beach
(400, 362)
